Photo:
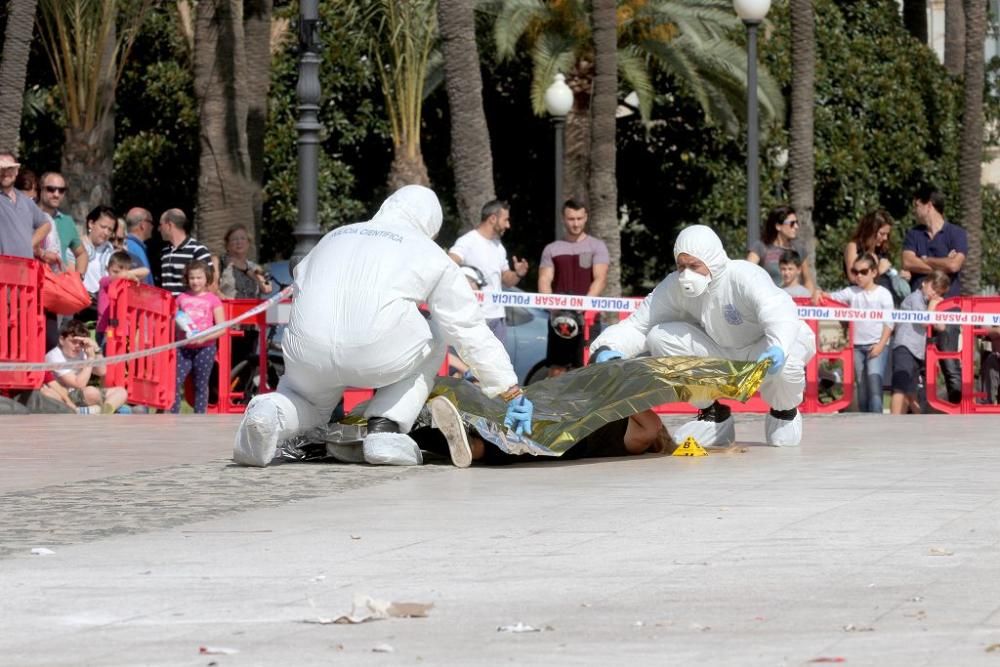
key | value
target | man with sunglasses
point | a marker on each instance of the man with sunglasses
(51, 191)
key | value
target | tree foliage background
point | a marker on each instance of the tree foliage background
(887, 118)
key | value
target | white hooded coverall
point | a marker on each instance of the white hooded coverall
(739, 316)
(355, 320)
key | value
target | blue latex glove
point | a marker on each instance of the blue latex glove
(777, 357)
(607, 355)
(518, 417)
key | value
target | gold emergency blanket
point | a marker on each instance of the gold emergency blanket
(573, 405)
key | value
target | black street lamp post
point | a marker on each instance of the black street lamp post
(752, 12)
(307, 232)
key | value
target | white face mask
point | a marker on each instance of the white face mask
(693, 284)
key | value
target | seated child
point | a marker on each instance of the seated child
(71, 386)
(791, 274)
(909, 343)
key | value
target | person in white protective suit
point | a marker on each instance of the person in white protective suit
(355, 323)
(713, 306)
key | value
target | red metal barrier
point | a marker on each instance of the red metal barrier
(22, 322)
(231, 400)
(142, 317)
(966, 357)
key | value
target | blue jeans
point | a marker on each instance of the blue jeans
(868, 375)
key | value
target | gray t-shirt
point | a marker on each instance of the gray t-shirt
(18, 221)
(770, 257)
(912, 336)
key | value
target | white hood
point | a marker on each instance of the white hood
(701, 242)
(412, 205)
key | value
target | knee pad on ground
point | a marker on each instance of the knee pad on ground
(268, 420)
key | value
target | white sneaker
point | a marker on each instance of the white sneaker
(391, 449)
(445, 418)
(707, 430)
(261, 429)
(783, 432)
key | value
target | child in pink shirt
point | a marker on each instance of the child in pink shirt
(119, 266)
(204, 310)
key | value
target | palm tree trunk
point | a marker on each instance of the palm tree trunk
(915, 18)
(88, 152)
(407, 169)
(801, 157)
(220, 81)
(954, 37)
(14, 67)
(471, 154)
(257, 30)
(576, 161)
(970, 194)
(603, 187)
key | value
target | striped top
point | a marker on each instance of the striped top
(173, 260)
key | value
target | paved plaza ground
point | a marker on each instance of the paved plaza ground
(875, 543)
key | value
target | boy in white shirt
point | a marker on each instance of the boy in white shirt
(870, 338)
(72, 385)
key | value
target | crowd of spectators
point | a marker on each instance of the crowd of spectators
(108, 247)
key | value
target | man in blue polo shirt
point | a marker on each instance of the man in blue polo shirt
(139, 224)
(935, 243)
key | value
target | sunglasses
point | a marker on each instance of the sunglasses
(54, 189)
(860, 272)
(791, 223)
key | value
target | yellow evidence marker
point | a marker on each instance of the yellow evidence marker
(690, 447)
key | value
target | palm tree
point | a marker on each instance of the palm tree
(259, 32)
(603, 187)
(471, 154)
(220, 83)
(14, 67)
(970, 195)
(954, 37)
(401, 37)
(801, 157)
(88, 43)
(689, 39)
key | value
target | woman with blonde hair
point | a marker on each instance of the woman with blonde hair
(241, 278)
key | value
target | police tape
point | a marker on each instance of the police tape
(834, 313)
(121, 358)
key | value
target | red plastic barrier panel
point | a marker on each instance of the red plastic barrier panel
(974, 400)
(142, 317)
(22, 333)
(233, 373)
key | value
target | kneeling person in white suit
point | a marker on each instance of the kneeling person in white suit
(355, 323)
(712, 306)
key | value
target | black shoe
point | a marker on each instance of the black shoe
(715, 413)
(382, 425)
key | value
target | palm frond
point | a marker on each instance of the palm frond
(513, 21)
(633, 70)
(552, 53)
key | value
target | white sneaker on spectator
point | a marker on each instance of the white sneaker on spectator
(391, 449)
(445, 418)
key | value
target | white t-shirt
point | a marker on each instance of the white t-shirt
(97, 264)
(56, 356)
(490, 257)
(865, 333)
